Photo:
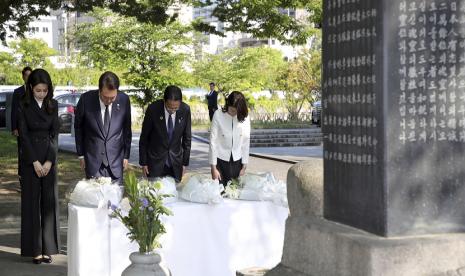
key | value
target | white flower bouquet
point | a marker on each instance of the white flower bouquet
(95, 192)
(201, 188)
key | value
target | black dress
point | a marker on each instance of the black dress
(39, 196)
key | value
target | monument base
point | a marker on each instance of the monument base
(314, 246)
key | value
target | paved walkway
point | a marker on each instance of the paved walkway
(199, 155)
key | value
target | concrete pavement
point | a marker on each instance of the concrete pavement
(199, 155)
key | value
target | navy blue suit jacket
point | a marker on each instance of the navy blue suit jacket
(154, 145)
(212, 100)
(92, 143)
(17, 95)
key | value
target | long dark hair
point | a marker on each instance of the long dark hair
(237, 100)
(36, 77)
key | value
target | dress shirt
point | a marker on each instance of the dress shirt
(102, 113)
(39, 102)
(102, 109)
(229, 137)
(173, 118)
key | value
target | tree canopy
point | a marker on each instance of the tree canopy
(263, 19)
(148, 54)
(32, 52)
(301, 81)
(245, 69)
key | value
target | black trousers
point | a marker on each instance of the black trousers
(19, 158)
(167, 171)
(228, 169)
(211, 111)
(39, 213)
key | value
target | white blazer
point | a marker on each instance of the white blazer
(229, 136)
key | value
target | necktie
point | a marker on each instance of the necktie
(106, 126)
(170, 128)
(106, 121)
(170, 135)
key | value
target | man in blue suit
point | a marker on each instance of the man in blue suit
(103, 129)
(17, 95)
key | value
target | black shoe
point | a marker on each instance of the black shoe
(47, 259)
(37, 261)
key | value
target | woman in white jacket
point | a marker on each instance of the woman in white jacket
(230, 139)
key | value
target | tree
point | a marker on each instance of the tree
(15, 15)
(301, 82)
(32, 52)
(148, 54)
(244, 69)
(263, 19)
(268, 18)
(9, 72)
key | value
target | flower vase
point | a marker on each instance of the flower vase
(143, 264)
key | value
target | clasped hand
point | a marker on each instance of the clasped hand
(42, 169)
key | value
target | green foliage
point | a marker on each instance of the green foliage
(9, 72)
(76, 76)
(143, 217)
(16, 15)
(262, 19)
(269, 18)
(243, 69)
(265, 105)
(32, 52)
(148, 54)
(301, 82)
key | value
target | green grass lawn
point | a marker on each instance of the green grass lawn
(69, 171)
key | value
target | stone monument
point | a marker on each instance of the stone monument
(394, 144)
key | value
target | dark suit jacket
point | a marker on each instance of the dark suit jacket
(17, 95)
(92, 143)
(154, 147)
(38, 133)
(212, 100)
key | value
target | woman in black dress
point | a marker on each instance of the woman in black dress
(38, 129)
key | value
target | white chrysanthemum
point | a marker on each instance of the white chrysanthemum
(124, 205)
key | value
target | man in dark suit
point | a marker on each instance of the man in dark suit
(165, 141)
(17, 95)
(212, 99)
(103, 129)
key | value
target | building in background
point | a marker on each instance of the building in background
(57, 29)
(214, 44)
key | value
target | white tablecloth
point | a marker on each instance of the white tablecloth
(201, 239)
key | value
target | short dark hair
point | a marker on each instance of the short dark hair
(172, 92)
(39, 76)
(237, 100)
(109, 80)
(212, 83)
(25, 69)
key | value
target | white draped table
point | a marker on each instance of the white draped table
(201, 239)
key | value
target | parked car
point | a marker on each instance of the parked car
(66, 105)
(3, 99)
(316, 113)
